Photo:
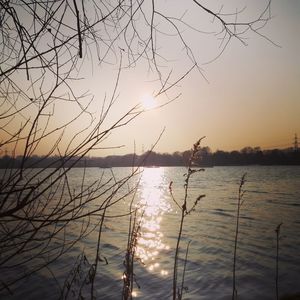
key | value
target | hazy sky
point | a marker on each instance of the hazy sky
(252, 97)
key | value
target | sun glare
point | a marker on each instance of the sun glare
(148, 102)
(154, 204)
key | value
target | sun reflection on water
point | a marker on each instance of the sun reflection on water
(154, 205)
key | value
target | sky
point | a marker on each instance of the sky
(248, 96)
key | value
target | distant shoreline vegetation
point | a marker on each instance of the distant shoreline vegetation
(207, 158)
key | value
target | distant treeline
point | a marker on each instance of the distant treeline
(246, 156)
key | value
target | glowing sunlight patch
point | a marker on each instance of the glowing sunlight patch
(148, 102)
(134, 294)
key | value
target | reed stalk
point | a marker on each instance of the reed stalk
(239, 204)
(277, 230)
(185, 209)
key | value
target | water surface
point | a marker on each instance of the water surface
(271, 198)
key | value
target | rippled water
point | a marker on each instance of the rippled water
(272, 197)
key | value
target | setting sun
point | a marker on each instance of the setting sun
(148, 102)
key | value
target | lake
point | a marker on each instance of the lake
(271, 197)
